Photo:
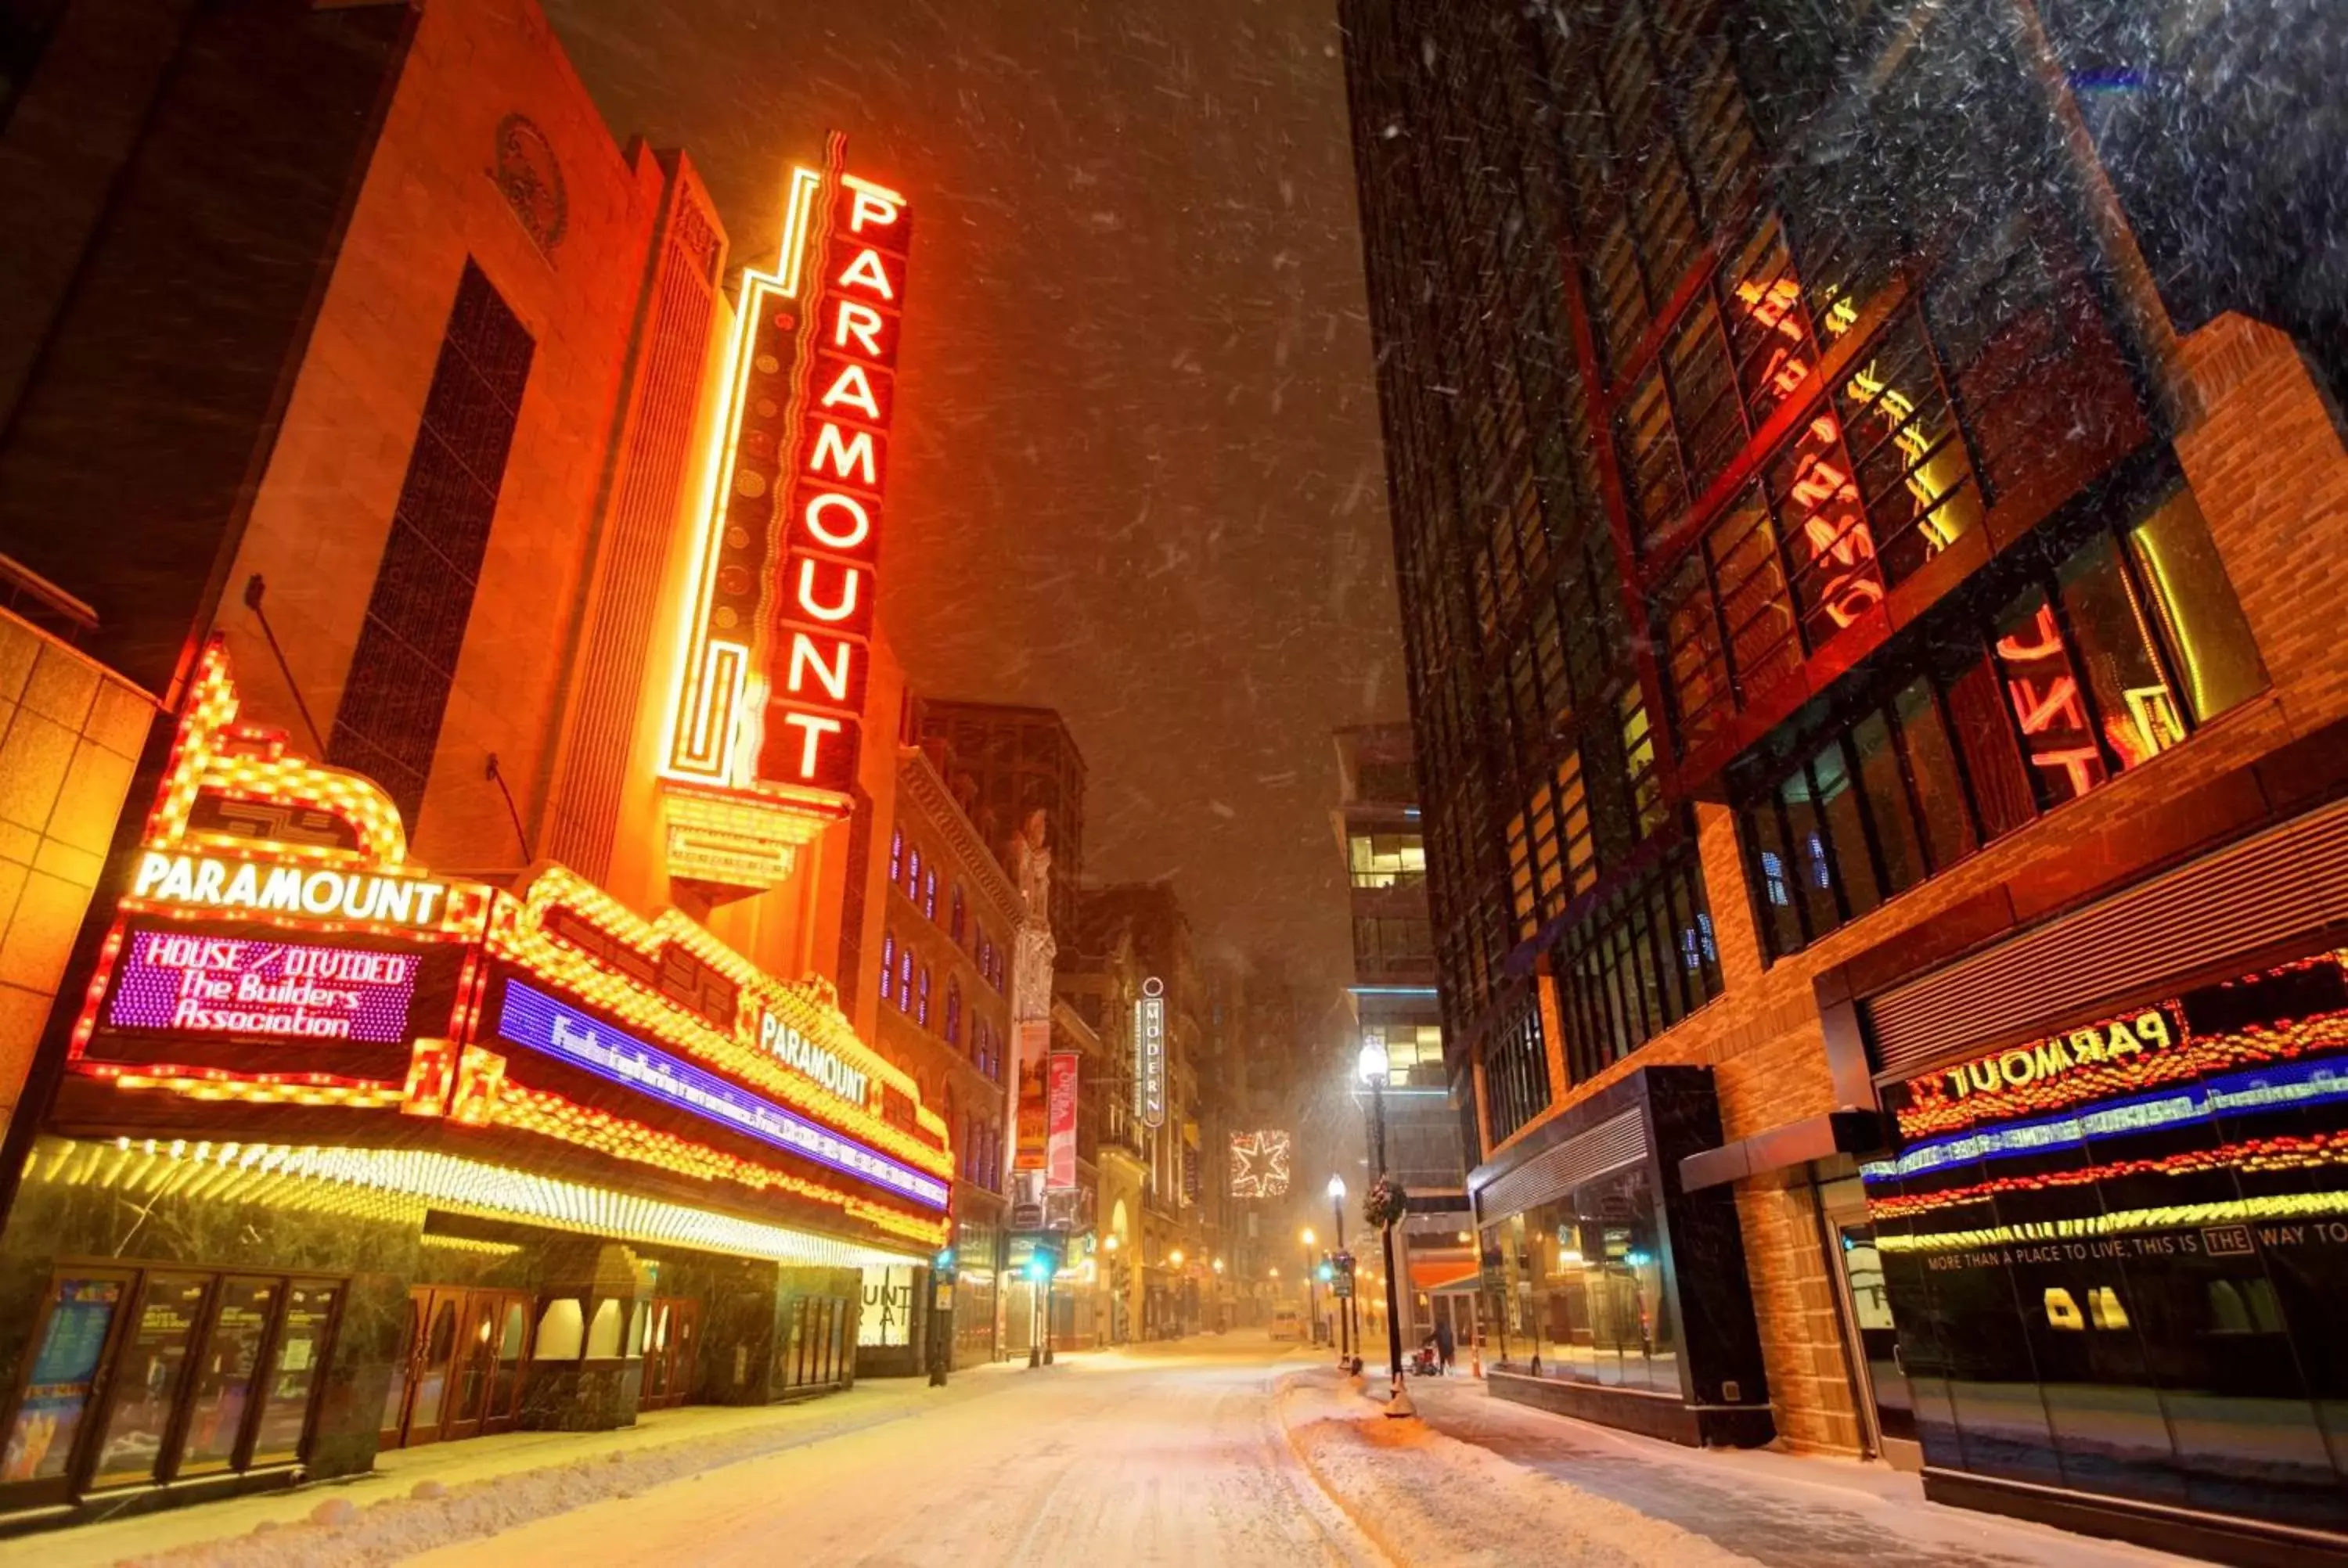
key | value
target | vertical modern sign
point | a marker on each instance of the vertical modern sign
(1150, 1053)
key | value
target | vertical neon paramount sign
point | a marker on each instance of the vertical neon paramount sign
(762, 747)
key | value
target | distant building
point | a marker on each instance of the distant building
(1164, 1196)
(1398, 1022)
(1014, 761)
(943, 975)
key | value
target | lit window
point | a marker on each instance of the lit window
(922, 1007)
(889, 966)
(929, 893)
(905, 979)
(897, 855)
(954, 1013)
(1384, 859)
(913, 872)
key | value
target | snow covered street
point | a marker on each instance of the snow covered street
(1212, 1450)
(1208, 1451)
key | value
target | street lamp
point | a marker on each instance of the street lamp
(1311, 1313)
(1349, 1336)
(1373, 1069)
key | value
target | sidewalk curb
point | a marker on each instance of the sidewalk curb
(1359, 1519)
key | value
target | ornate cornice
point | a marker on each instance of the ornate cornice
(917, 776)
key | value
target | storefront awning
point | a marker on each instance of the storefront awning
(1432, 1275)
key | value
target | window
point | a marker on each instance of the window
(888, 966)
(958, 919)
(1552, 854)
(930, 894)
(1643, 961)
(897, 856)
(954, 1013)
(1853, 502)
(905, 979)
(2201, 625)
(1638, 764)
(1516, 1075)
(1385, 943)
(2079, 676)
(1387, 859)
(921, 1007)
(914, 873)
(1414, 1053)
(1587, 1291)
(396, 695)
(209, 1373)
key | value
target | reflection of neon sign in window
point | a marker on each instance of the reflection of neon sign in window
(1822, 496)
(2044, 691)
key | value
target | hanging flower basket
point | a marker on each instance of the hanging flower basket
(1384, 1204)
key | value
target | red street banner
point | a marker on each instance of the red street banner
(1061, 1166)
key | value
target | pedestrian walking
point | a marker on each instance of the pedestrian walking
(1445, 1343)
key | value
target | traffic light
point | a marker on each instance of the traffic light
(1324, 1274)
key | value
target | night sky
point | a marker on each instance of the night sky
(1136, 474)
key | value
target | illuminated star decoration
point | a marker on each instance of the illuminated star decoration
(1260, 1163)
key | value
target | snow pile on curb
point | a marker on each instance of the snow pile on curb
(434, 1514)
(1425, 1498)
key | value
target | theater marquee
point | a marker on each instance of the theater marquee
(305, 1003)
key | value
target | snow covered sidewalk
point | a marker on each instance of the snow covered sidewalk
(1425, 1498)
(1781, 1510)
(419, 1499)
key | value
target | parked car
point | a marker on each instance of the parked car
(1287, 1323)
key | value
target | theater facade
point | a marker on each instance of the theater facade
(350, 1155)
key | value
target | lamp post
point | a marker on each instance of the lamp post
(1311, 1312)
(1344, 1304)
(1114, 1272)
(1373, 1071)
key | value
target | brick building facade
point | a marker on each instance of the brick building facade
(942, 977)
(1840, 564)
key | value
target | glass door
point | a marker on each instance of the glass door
(226, 1371)
(293, 1365)
(671, 1347)
(513, 1348)
(473, 1365)
(1887, 1409)
(420, 1399)
(81, 1322)
(147, 1379)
